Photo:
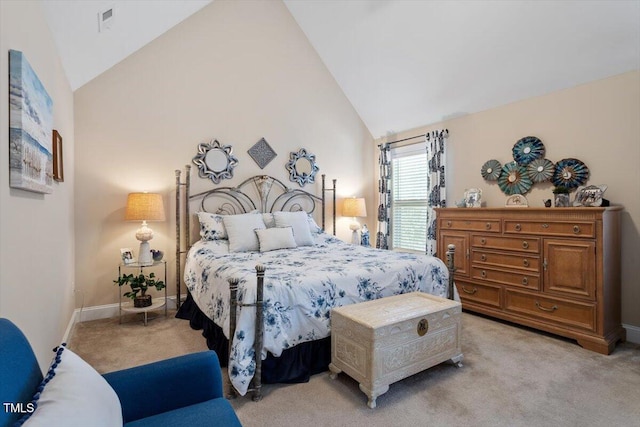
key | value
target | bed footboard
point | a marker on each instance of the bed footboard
(451, 251)
(256, 383)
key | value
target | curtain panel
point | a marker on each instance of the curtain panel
(436, 158)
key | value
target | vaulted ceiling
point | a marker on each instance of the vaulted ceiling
(401, 63)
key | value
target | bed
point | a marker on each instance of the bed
(275, 300)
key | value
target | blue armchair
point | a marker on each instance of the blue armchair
(182, 391)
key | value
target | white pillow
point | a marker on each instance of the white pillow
(300, 224)
(313, 225)
(241, 231)
(74, 394)
(276, 238)
(211, 226)
(269, 220)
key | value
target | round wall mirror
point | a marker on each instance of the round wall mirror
(215, 161)
(302, 167)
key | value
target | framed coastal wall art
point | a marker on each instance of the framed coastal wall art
(30, 128)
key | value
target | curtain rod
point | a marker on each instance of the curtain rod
(435, 133)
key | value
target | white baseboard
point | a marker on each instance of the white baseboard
(633, 333)
(112, 310)
(107, 311)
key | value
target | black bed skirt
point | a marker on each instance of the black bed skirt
(295, 365)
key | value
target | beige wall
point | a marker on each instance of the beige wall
(36, 230)
(598, 123)
(235, 71)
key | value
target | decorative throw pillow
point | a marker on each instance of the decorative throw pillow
(211, 226)
(73, 394)
(269, 220)
(300, 224)
(276, 238)
(241, 231)
(313, 225)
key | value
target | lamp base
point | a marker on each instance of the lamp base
(354, 238)
(144, 254)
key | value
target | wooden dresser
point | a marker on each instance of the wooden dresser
(554, 269)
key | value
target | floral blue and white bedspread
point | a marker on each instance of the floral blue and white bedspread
(301, 287)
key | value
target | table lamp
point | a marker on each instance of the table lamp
(354, 207)
(144, 207)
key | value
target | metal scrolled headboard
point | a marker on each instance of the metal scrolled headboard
(260, 192)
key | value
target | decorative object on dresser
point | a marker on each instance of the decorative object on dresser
(30, 128)
(516, 201)
(561, 197)
(262, 153)
(354, 207)
(590, 195)
(302, 167)
(472, 198)
(380, 342)
(557, 270)
(144, 207)
(215, 161)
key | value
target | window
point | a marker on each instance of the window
(409, 198)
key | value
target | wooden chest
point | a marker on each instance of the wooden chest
(383, 341)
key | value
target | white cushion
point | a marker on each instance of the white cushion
(75, 394)
(300, 224)
(276, 238)
(269, 220)
(313, 225)
(211, 226)
(241, 231)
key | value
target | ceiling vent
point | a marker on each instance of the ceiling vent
(105, 18)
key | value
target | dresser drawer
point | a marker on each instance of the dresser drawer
(506, 260)
(490, 225)
(522, 279)
(547, 228)
(525, 244)
(483, 294)
(566, 313)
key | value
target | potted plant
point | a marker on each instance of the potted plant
(139, 284)
(561, 198)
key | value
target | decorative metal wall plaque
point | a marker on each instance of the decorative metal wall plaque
(262, 153)
(302, 167)
(215, 161)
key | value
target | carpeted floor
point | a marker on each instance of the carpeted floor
(512, 376)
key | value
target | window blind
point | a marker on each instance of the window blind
(409, 198)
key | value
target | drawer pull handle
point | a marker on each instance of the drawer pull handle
(545, 225)
(470, 292)
(525, 244)
(488, 225)
(483, 273)
(576, 229)
(483, 241)
(526, 262)
(448, 223)
(525, 281)
(551, 310)
(483, 257)
(518, 227)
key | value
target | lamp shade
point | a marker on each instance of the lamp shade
(354, 207)
(144, 207)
